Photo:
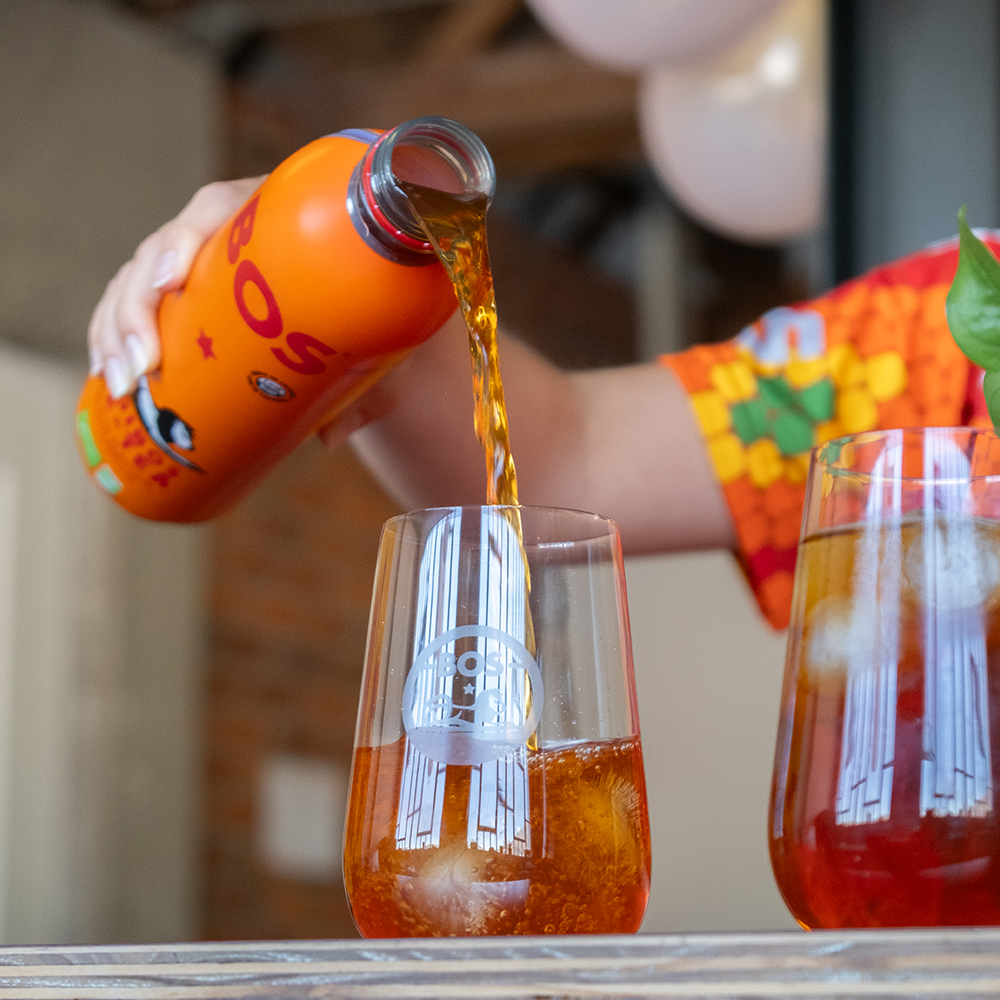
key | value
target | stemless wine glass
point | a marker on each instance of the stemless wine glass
(498, 785)
(883, 809)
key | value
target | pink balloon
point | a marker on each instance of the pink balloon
(741, 140)
(635, 34)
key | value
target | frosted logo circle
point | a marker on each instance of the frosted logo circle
(474, 694)
(270, 387)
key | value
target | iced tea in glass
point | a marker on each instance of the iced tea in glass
(883, 809)
(498, 785)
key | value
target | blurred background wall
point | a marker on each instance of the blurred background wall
(106, 125)
(176, 704)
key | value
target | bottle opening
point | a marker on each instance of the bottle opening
(426, 167)
(432, 151)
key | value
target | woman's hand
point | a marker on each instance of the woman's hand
(122, 337)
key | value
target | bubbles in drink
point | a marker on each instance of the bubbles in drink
(579, 864)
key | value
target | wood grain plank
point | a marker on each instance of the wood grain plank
(940, 963)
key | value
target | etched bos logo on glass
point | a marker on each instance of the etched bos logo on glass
(474, 694)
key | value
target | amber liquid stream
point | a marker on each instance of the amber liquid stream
(457, 229)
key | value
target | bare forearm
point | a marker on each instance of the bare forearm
(423, 446)
(620, 442)
(418, 436)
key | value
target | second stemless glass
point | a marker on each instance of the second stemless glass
(884, 809)
(498, 785)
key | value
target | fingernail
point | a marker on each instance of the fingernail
(165, 267)
(138, 356)
(96, 361)
(116, 378)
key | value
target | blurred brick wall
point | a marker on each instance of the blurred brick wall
(291, 575)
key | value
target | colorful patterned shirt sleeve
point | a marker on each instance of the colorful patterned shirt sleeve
(875, 352)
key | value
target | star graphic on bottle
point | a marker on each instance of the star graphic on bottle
(205, 343)
(469, 688)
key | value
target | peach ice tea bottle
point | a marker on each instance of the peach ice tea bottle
(318, 285)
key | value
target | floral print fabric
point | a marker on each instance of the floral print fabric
(875, 352)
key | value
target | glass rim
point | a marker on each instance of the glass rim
(827, 454)
(602, 526)
(519, 507)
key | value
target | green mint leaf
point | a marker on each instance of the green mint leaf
(973, 304)
(991, 390)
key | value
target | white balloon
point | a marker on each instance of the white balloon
(741, 140)
(634, 34)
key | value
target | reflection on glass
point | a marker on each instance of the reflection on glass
(955, 775)
(500, 790)
(864, 786)
(421, 801)
(475, 686)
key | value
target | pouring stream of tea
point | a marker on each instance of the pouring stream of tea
(456, 226)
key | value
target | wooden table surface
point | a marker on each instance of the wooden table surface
(855, 964)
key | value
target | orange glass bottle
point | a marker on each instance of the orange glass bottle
(321, 282)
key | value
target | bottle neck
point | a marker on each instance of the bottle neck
(432, 151)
